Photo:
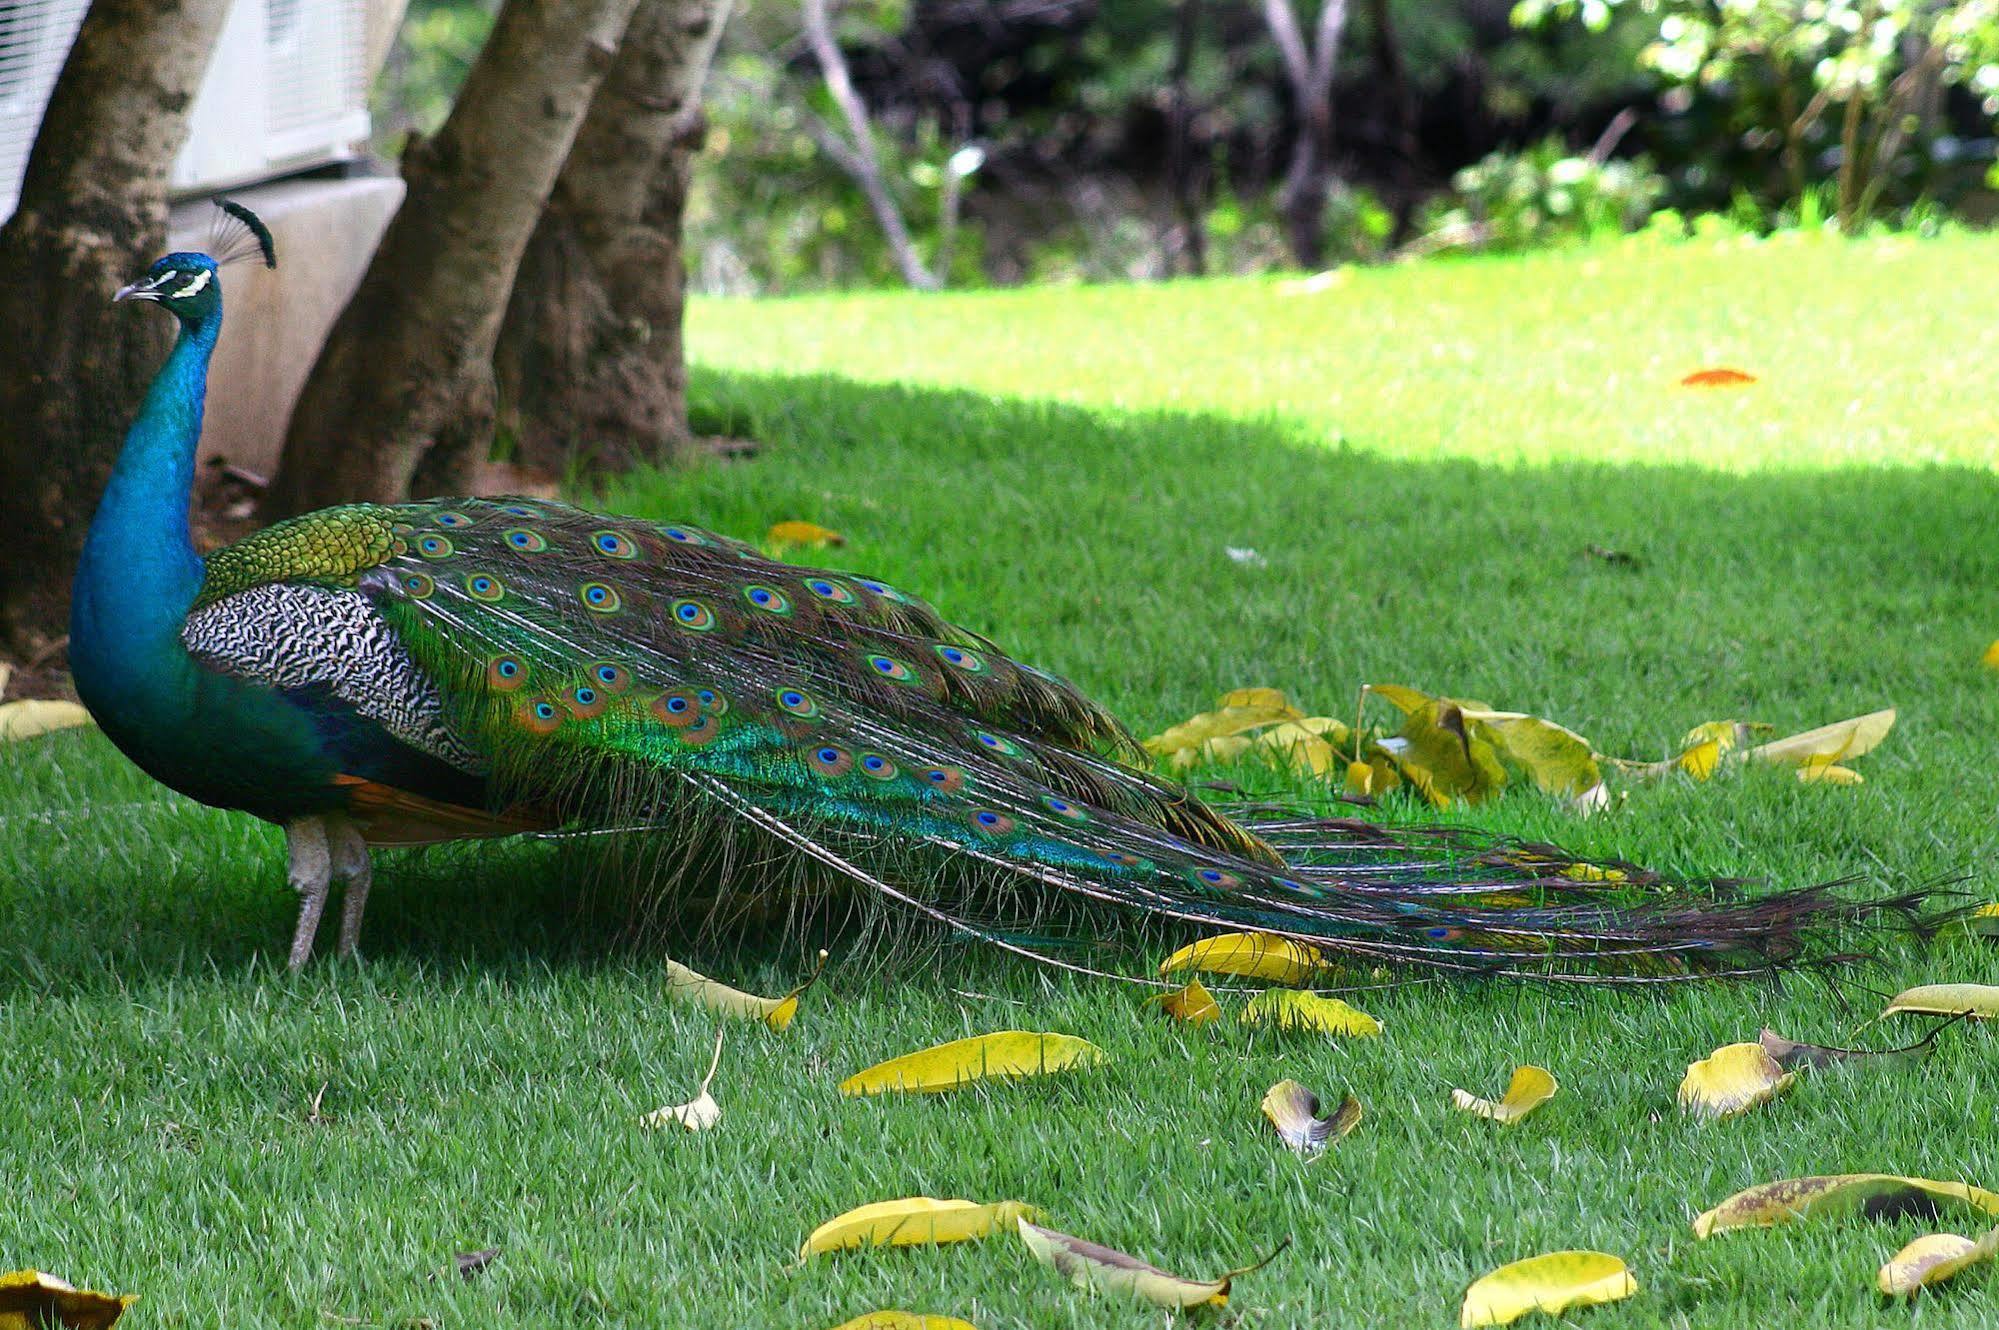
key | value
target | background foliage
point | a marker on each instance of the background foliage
(1455, 123)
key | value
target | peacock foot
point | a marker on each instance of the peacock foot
(310, 871)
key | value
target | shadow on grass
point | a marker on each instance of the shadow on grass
(1100, 545)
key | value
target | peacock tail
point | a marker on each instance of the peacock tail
(572, 669)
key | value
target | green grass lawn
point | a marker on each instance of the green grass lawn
(1420, 456)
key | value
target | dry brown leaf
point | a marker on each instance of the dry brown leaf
(1791, 1055)
(1090, 1264)
(1870, 1195)
(1294, 1111)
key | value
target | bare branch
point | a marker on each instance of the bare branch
(860, 160)
(1283, 21)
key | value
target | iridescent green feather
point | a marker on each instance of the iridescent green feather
(617, 672)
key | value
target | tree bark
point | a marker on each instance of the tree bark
(93, 213)
(590, 362)
(402, 395)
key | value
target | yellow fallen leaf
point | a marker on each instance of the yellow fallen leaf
(1560, 761)
(1445, 758)
(1007, 1055)
(1404, 699)
(33, 716)
(805, 535)
(1733, 1079)
(1702, 747)
(1193, 1004)
(700, 1112)
(1552, 1283)
(1294, 1111)
(1978, 1001)
(1090, 1264)
(1871, 1195)
(1530, 1088)
(31, 1300)
(1933, 1259)
(1374, 777)
(1991, 656)
(1304, 746)
(893, 1320)
(1251, 955)
(1825, 771)
(1833, 743)
(688, 985)
(1984, 920)
(1198, 738)
(1293, 1009)
(913, 1221)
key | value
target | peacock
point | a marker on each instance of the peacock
(403, 674)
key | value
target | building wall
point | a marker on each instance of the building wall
(325, 232)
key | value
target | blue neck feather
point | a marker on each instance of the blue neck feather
(140, 574)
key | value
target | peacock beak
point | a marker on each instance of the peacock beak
(146, 288)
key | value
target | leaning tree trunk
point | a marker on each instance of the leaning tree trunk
(589, 362)
(93, 212)
(402, 393)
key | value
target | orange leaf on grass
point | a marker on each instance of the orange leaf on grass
(1721, 376)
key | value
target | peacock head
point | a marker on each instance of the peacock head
(186, 283)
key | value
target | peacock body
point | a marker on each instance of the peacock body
(396, 674)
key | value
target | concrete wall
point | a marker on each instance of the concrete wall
(275, 320)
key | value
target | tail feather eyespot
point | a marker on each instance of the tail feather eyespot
(989, 823)
(829, 761)
(614, 545)
(540, 715)
(678, 708)
(693, 616)
(598, 597)
(506, 673)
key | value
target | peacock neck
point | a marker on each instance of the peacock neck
(139, 573)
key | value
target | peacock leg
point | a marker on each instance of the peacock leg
(310, 874)
(350, 865)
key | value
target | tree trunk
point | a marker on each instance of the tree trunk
(402, 394)
(589, 362)
(1308, 182)
(93, 213)
(1186, 177)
